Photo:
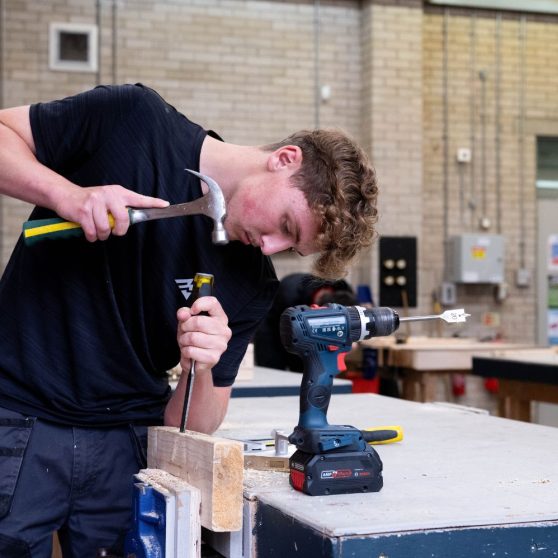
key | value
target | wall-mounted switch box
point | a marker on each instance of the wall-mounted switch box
(523, 277)
(398, 271)
(476, 258)
(464, 155)
(448, 293)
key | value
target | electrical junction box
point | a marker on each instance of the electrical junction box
(476, 258)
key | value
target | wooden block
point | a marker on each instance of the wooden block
(266, 462)
(183, 525)
(213, 465)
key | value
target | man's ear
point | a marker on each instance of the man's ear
(288, 156)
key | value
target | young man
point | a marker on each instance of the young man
(89, 329)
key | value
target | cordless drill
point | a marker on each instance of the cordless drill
(330, 459)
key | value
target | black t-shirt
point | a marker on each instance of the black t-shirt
(88, 330)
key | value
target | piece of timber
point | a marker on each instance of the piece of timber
(182, 518)
(213, 465)
(266, 462)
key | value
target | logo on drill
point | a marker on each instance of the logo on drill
(185, 286)
(337, 474)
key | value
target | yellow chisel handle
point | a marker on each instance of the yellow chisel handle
(382, 434)
(41, 229)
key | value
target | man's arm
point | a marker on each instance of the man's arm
(208, 404)
(204, 339)
(23, 177)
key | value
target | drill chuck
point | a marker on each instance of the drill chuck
(380, 321)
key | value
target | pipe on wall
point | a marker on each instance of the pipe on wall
(472, 117)
(498, 123)
(483, 223)
(522, 32)
(317, 92)
(114, 42)
(114, 39)
(98, 17)
(445, 139)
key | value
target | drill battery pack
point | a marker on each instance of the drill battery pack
(336, 472)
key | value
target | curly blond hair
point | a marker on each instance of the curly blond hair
(340, 187)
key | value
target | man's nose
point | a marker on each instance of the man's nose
(272, 244)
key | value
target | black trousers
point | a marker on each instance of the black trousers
(77, 481)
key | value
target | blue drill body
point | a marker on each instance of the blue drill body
(318, 336)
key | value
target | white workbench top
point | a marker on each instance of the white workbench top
(454, 468)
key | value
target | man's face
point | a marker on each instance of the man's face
(269, 213)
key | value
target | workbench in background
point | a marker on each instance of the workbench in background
(424, 362)
(524, 376)
(460, 485)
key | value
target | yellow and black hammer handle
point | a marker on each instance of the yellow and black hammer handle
(41, 229)
(382, 435)
(55, 228)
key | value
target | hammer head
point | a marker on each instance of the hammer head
(214, 206)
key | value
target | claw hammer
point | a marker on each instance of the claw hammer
(211, 205)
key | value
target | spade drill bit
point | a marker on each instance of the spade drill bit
(449, 316)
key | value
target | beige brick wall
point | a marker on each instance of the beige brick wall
(247, 69)
(472, 47)
(244, 68)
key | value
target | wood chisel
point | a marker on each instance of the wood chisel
(203, 286)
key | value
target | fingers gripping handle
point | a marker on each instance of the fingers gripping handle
(203, 286)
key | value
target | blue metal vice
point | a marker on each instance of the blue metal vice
(147, 539)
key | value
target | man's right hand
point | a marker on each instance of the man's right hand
(23, 177)
(90, 208)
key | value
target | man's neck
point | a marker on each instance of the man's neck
(228, 163)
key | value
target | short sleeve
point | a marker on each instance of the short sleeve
(67, 132)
